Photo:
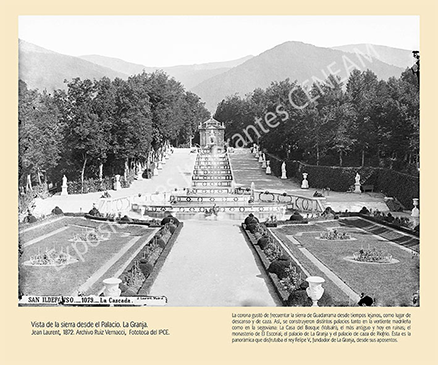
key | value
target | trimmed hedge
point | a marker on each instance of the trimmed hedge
(296, 298)
(404, 187)
(96, 185)
(392, 183)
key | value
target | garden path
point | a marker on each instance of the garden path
(212, 265)
(175, 173)
(247, 169)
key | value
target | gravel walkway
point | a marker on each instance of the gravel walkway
(212, 265)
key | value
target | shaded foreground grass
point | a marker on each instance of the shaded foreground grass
(39, 280)
(389, 284)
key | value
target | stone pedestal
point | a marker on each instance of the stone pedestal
(260, 157)
(305, 183)
(357, 188)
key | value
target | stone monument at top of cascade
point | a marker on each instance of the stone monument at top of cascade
(211, 134)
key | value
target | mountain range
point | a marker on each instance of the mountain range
(44, 69)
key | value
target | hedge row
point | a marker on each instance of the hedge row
(96, 185)
(392, 183)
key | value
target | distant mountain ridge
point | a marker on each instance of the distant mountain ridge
(294, 60)
(392, 56)
(44, 69)
(188, 75)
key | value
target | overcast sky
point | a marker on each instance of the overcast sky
(175, 40)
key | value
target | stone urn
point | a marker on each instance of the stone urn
(415, 211)
(315, 289)
(112, 287)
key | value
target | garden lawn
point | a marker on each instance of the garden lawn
(47, 280)
(340, 299)
(389, 284)
(44, 229)
(122, 262)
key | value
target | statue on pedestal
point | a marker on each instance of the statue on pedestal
(139, 171)
(117, 185)
(283, 171)
(268, 167)
(305, 183)
(64, 186)
(264, 162)
(357, 183)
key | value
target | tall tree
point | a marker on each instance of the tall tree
(39, 133)
(84, 136)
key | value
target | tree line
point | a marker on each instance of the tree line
(102, 127)
(362, 121)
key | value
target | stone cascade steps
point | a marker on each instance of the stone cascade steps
(230, 212)
(208, 184)
(213, 187)
(212, 190)
(232, 198)
(212, 175)
(211, 172)
(218, 177)
(217, 166)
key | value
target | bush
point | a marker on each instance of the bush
(57, 210)
(96, 185)
(90, 186)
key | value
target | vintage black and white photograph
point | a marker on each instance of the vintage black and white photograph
(219, 161)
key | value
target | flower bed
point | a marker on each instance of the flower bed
(286, 277)
(334, 234)
(140, 274)
(372, 255)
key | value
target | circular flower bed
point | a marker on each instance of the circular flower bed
(334, 235)
(50, 258)
(372, 255)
